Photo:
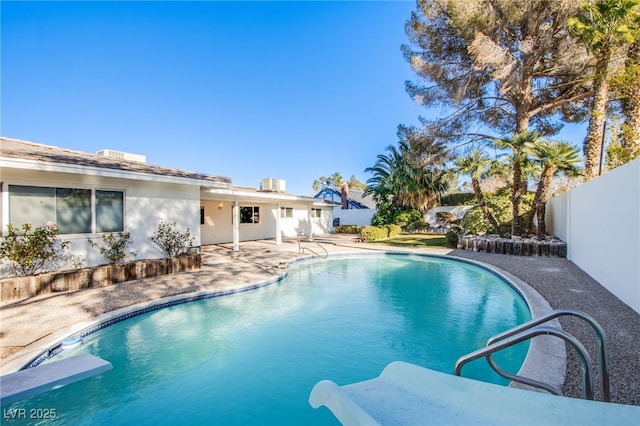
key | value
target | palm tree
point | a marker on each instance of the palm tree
(520, 145)
(476, 165)
(380, 185)
(602, 26)
(626, 88)
(554, 158)
(400, 179)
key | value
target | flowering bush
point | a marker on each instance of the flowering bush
(114, 246)
(33, 252)
(171, 241)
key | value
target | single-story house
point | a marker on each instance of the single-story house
(87, 195)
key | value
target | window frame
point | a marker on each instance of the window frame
(95, 209)
(255, 213)
(57, 207)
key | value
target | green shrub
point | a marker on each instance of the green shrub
(407, 217)
(114, 246)
(452, 237)
(458, 199)
(171, 241)
(394, 230)
(347, 229)
(370, 233)
(33, 252)
(500, 206)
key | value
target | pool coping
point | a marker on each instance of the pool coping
(545, 360)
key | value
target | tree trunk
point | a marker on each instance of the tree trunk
(544, 189)
(522, 127)
(483, 206)
(541, 211)
(543, 184)
(631, 104)
(516, 195)
(593, 141)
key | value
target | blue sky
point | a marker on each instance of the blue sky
(292, 90)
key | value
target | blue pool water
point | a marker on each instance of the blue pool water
(253, 357)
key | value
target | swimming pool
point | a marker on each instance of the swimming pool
(253, 357)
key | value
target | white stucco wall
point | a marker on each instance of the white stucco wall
(458, 211)
(146, 203)
(218, 228)
(324, 224)
(600, 221)
(360, 217)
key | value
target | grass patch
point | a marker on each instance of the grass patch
(414, 240)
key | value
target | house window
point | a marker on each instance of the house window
(316, 212)
(249, 214)
(286, 212)
(73, 210)
(31, 204)
(109, 211)
(70, 209)
(201, 215)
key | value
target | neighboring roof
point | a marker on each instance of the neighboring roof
(255, 194)
(356, 198)
(18, 149)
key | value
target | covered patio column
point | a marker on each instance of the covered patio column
(235, 219)
(310, 230)
(278, 232)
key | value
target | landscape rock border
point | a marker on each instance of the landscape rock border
(550, 247)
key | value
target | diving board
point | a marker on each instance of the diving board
(24, 384)
(407, 394)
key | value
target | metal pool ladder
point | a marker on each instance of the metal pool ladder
(535, 328)
(301, 249)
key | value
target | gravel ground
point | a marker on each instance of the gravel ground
(564, 285)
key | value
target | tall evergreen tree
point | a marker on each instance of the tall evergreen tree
(520, 145)
(495, 67)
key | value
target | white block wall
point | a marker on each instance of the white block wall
(360, 217)
(600, 221)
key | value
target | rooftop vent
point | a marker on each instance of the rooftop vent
(119, 155)
(273, 185)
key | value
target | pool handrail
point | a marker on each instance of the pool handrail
(601, 344)
(531, 329)
(301, 249)
(586, 370)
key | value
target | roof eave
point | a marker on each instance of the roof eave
(44, 166)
